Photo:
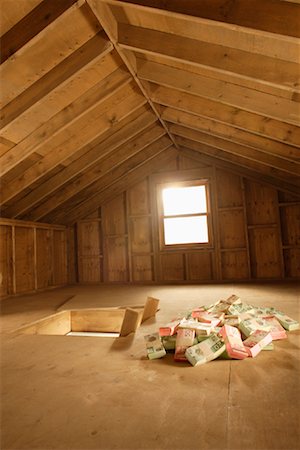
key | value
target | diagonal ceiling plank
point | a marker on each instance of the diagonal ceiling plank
(225, 93)
(242, 171)
(64, 119)
(240, 64)
(274, 16)
(31, 25)
(228, 132)
(116, 182)
(81, 132)
(282, 164)
(107, 21)
(67, 33)
(89, 53)
(104, 165)
(250, 40)
(236, 117)
(260, 168)
(118, 135)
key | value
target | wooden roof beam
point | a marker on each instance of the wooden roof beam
(245, 172)
(118, 135)
(116, 182)
(95, 122)
(107, 21)
(239, 64)
(32, 24)
(273, 16)
(229, 115)
(241, 161)
(99, 169)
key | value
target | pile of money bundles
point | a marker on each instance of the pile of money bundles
(227, 329)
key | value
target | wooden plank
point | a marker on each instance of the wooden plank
(69, 32)
(83, 131)
(234, 265)
(23, 223)
(52, 97)
(261, 204)
(242, 38)
(111, 179)
(229, 132)
(106, 19)
(118, 185)
(6, 284)
(172, 267)
(232, 229)
(241, 171)
(265, 253)
(140, 234)
(200, 266)
(236, 117)
(281, 164)
(138, 198)
(32, 24)
(240, 64)
(150, 308)
(72, 256)
(24, 262)
(5, 145)
(115, 258)
(11, 16)
(118, 135)
(44, 258)
(105, 320)
(273, 16)
(55, 324)
(113, 217)
(142, 268)
(290, 224)
(242, 161)
(131, 321)
(228, 189)
(104, 165)
(60, 258)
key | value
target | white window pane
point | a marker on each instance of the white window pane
(185, 200)
(186, 230)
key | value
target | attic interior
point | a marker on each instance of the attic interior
(105, 106)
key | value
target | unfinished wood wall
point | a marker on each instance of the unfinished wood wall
(256, 235)
(32, 257)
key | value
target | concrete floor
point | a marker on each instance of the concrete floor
(82, 393)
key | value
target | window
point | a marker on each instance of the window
(184, 214)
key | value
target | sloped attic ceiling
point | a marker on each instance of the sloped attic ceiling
(101, 92)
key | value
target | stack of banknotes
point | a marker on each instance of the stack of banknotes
(227, 329)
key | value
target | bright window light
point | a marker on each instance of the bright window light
(184, 200)
(185, 215)
(186, 230)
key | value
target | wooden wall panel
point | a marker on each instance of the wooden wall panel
(89, 251)
(234, 265)
(290, 224)
(265, 254)
(113, 217)
(232, 229)
(172, 267)
(292, 262)
(261, 204)
(138, 199)
(140, 234)
(72, 255)
(116, 259)
(142, 268)
(44, 257)
(229, 191)
(24, 259)
(6, 276)
(59, 258)
(200, 266)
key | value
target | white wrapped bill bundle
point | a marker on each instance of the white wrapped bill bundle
(287, 322)
(205, 351)
(154, 346)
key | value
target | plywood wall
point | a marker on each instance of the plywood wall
(32, 257)
(256, 235)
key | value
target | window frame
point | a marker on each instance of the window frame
(184, 182)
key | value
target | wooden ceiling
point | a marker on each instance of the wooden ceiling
(98, 94)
